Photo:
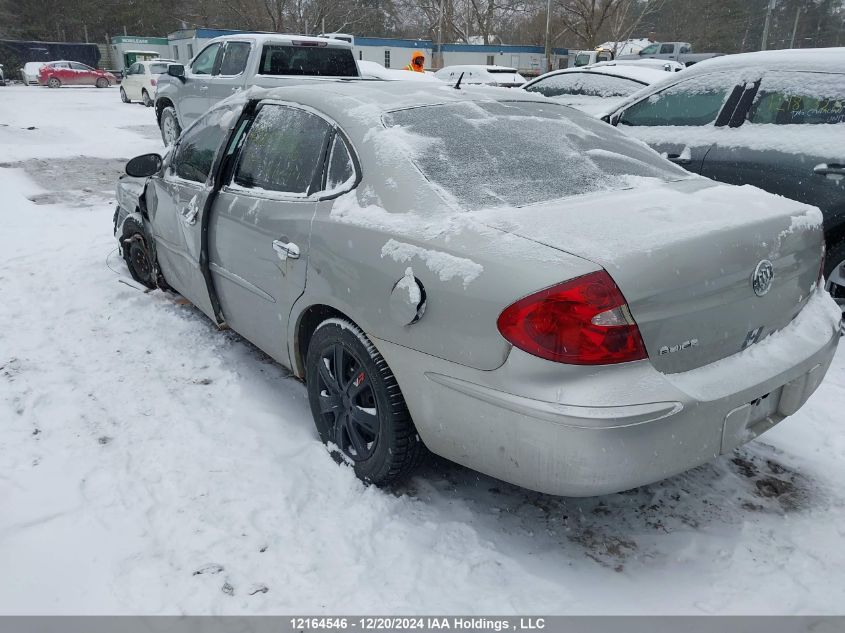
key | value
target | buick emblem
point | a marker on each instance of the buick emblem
(762, 278)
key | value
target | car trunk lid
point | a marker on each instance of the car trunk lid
(684, 254)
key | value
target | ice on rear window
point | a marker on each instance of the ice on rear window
(495, 154)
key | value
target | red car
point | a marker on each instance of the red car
(64, 73)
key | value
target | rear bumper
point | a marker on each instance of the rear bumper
(579, 431)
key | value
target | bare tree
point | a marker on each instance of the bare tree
(587, 20)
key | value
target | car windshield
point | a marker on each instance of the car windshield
(279, 59)
(517, 153)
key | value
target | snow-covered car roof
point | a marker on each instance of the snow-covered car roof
(487, 67)
(831, 59)
(284, 38)
(666, 65)
(487, 73)
(643, 75)
(374, 70)
(363, 101)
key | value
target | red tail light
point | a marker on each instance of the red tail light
(153, 82)
(584, 321)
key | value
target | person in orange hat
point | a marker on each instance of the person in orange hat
(417, 64)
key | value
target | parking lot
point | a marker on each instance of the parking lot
(150, 463)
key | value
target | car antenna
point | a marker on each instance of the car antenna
(458, 84)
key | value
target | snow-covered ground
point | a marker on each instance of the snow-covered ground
(151, 464)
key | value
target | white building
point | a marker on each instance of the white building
(396, 53)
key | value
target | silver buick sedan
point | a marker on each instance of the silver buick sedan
(493, 276)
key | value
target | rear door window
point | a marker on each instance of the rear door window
(586, 84)
(799, 98)
(320, 61)
(234, 59)
(283, 150)
(696, 101)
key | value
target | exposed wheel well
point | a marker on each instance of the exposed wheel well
(161, 104)
(308, 323)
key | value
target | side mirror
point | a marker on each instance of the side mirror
(176, 70)
(144, 166)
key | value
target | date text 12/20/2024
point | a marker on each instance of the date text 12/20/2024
(376, 623)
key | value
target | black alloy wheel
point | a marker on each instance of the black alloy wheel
(347, 402)
(357, 405)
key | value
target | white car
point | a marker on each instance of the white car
(657, 64)
(597, 89)
(140, 80)
(482, 74)
(29, 72)
(374, 70)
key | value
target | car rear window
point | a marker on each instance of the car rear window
(585, 84)
(517, 153)
(502, 71)
(320, 61)
(158, 69)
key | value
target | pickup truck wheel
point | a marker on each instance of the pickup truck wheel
(123, 96)
(834, 273)
(54, 82)
(357, 405)
(102, 82)
(146, 99)
(170, 128)
(137, 254)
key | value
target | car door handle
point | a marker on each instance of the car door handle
(829, 170)
(203, 88)
(286, 250)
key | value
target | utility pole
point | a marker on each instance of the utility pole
(439, 59)
(548, 38)
(769, 10)
(795, 27)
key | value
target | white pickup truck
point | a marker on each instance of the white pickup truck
(235, 62)
(676, 51)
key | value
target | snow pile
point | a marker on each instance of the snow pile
(444, 265)
(409, 284)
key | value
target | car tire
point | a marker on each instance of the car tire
(383, 447)
(145, 97)
(54, 82)
(834, 272)
(102, 82)
(137, 254)
(123, 96)
(169, 125)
